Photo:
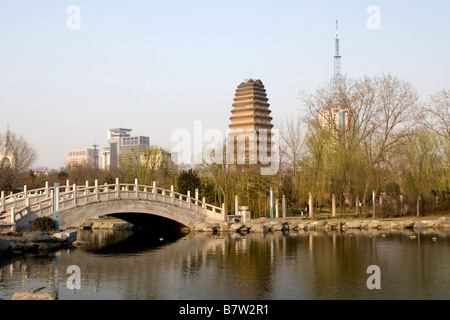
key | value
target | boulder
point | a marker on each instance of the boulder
(351, 225)
(4, 245)
(224, 226)
(443, 223)
(320, 224)
(408, 224)
(210, 227)
(430, 223)
(303, 225)
(333, 225)
(275, 226)
(383, 225)
(420, 225)
(259, 228)
(237, 226)
(373, 224)
(396, 225)
(36, 293)
(80, 243)
(39, 237)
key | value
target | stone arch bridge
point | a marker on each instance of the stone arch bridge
(78, 203)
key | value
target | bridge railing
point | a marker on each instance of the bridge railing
(41, 201)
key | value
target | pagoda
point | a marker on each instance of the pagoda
(251, 124)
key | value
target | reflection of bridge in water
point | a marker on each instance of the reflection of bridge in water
(79, 203)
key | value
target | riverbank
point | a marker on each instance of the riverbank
(35, 242)
(267, 225)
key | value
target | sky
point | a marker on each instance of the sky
(71, 70)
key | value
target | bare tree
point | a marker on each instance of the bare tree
(16, 157)
(436, 113)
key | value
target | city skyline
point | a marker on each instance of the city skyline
(72, 70)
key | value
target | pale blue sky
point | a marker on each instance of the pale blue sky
(159, 66)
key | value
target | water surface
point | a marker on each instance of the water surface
(229, 266)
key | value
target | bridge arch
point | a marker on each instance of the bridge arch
(74, 216)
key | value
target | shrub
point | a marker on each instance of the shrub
(43, 224)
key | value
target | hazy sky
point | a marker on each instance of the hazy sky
(158, 66)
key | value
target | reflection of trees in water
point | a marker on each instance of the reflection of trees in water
(304, 265)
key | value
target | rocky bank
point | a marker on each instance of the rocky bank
(267, 225)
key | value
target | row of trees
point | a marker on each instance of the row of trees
(370, 134)
(350, 139)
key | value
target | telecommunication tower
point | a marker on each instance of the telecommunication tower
(337, 59)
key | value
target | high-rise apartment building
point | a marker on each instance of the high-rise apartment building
(83, 157)
(121, 141)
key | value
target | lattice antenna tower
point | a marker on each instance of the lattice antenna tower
(337, 59)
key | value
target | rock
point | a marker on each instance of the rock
(351, 225)
(86, 225)
(395, 225)
(210, 227)
(384, 225)
(49, 245)
(80, 243)
(430, 223)
(36, 293)
(408, 224)
(96, 225)
(420, 225)
(333, 225)
(4, 246)
(122, 226)
(443, 222)
(303, 225)
(275, 226)
(224, 226)
(67, 236)
(236, 226)
(260, 228)
(373, 224)
(261, 220)
(37, 236)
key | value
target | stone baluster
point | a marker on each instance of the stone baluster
(96, 190)
(2, 202)
(172, 194)
(74, 196)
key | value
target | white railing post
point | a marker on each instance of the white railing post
(27, 206)
(74, 197)
(204, 204)
(67, 186)
(86, 190)
(136, 188)
(3, 201)
(96, 190)
(117, 188)
(172, 194)
(13, 215)
(25, 192)
(154, 190)
(189, 198)
(47, 193)
(224, 214)
(53, 201)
